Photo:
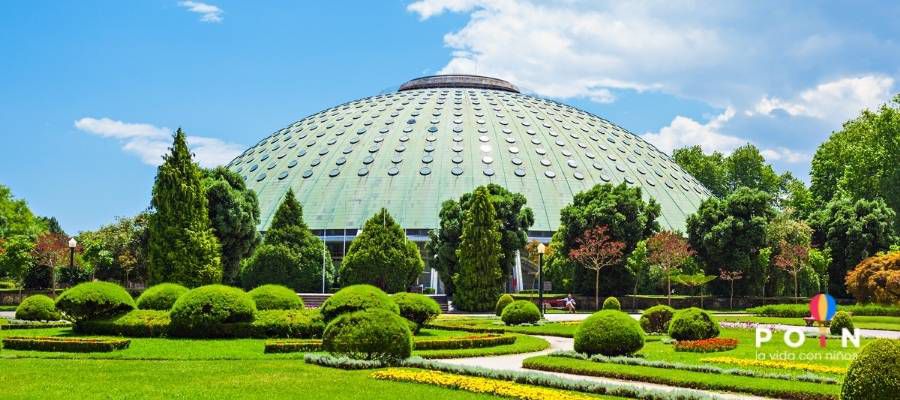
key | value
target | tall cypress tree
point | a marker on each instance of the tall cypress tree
(382, 256)
(183, 247)
(478, 284)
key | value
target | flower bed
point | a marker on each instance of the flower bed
(476, 385)
(330, 361)
(73, 345)
(711, 345)
(18, 324)
(465, 342)
(745, 362)
(293, 346)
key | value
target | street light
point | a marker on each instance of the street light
(541, 248)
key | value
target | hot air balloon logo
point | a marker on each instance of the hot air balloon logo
(822, 308)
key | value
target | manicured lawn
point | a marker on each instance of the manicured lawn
(863, 322)
(493, 324)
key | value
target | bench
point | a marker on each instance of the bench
(557, 304)
(810, 321)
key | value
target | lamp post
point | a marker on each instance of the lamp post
(541, 248)
(323, 266)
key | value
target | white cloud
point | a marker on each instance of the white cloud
(428, 9)
(684, 131)
(836, 100)
(150, 142)
(784, 154)
(208, 12)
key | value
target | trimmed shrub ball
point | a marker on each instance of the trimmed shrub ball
(693, 324)
(373, 334)
(161, 297)
(93, 300)
(502, 302)
(275, 297)
(520, 312)
(656, 319)
(204, 308)
(875, 373)
(417, 308)
(612, 303)
(840, 321)
(610, 333)
(356, 298)
(37, 308)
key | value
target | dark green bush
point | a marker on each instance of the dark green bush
(374, 334)
(275, 297)
(300, 323)
(417, 308)
(610, 333)
(656, 319)
(840, 321)
(137, 323)
(37, 308)
(200, 311)
(293, 346)
(802, 310)
(612, 303)
(161, 297)
(356, 298)
(502, 302)
(875, 373)
(93, 300)
(465, 342)
(520, 312)
(693, 324)
(64, 344)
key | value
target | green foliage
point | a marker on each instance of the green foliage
(136, 323)
(840, 321)
(72, 275)
(852, 231)
(744, 167)
(504, 300)
(356, 298)
(629, 218)
(373, 334)
(876, 279)
(37, 308)
(480, 275)
(19, 228)
(639, 267)
(182, 248)
(656, 319)
(875, 373)
(275, 297)
(612, 303)
(382, 255)
(37, 276)
(233, 215)
(610, 333)
(64, 344)
(511, 213)
(301, 323)
(693, 324)
(417, 308)
(802, 310)
(118, 252)
(161, 297)
(205, 307)
(520, 312)
(94, 300)
(710, 169)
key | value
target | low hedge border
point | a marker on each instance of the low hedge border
(293, 346)
(802, 310)
(710, 345)
(330, 361)
(69, 345)
(16, 324)
(467, 342)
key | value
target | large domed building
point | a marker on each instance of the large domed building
(438, 137)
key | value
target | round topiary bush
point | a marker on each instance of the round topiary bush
(417, 308)
(839, 321)
(612, 303)
(161, 297)
(610, 333)
(520, 312)
(875, 373)
(275, 297)
(356, 298)
(37, 308)
(93, 300)
(204, 308)
(502, 302)
(656, 319)
(693, 324)
(373, 334)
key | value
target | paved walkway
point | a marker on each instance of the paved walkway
(7, 314)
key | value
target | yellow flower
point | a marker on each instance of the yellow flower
(744, 362)
(477, 385)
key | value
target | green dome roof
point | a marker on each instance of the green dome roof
(439, 137)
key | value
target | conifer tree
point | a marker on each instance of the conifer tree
(478, 283)
(234, 216)
(183, 247)
(382, 256)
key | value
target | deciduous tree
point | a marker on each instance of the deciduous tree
(669, 251)
(792, 258)
(595, 251)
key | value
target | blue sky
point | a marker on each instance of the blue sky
(91, 90)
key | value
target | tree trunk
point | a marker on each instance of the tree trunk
(597, 290)
(634, 298)
(669, 289)
(796, 289)
(731, 297)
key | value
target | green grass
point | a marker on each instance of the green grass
(523, 344)
(862, 322)
(8, 308)
(493, 324)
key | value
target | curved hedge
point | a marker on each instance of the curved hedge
(504, 300)
(693, 324)
(840, 321)
(610, 333)
(161, 297)
(275, 297)
(612, 303)
(656, 319)
(374, 334)
(875, 373)
(37, 308)
(92, 300)
(520, 312)
(356, 298)
(417, 308)
(200, 310)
